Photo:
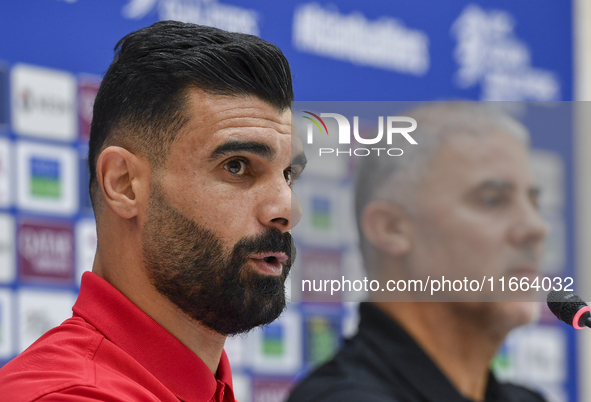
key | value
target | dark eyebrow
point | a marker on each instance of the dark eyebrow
(496, 185)
(233, 146)
(533, 191)
(300, 160)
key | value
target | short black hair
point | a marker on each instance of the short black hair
(141, 100)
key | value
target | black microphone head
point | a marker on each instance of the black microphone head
(568, 307)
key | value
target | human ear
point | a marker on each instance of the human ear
(386, 226)
(121, 176)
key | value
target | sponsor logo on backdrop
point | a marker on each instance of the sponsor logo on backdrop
(322, 338)
(238, 352)
(87, 90)
(273, 340)
(5, 173)
(47, 178)
(271, 389)
(533, 355)
(46, 251)
(39, 311)
(43, 102)
(241, 385)
(321, 213)
(7, 248)
(277, 348)
(319, 265)
(549, 171)
(85, 201)
(344, 134)
(3, 97)
(6, 330)
(203, 12)
(384, 43)
(86, 241)
(490, 55)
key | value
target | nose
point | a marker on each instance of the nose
(280, 207)
(531, 228)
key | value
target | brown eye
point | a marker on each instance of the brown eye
(288, 177)
(493, 201)
(236, 167)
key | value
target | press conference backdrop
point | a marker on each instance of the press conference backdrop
(52, 55)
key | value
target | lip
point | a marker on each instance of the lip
(272, 267)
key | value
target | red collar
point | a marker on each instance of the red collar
(157, 350)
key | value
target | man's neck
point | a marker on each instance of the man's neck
(460, 348)
(208, 345)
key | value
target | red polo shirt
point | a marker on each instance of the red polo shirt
(110, 350)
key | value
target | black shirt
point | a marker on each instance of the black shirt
(382, 363)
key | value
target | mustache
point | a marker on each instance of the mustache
(272, 240)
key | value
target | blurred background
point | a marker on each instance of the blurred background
(52, 56)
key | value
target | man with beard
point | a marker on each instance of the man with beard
(191, 170)
(460, 203)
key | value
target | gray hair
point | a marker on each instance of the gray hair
(436, 121)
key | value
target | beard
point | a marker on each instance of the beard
(212, 283)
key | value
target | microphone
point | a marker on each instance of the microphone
(569, 308)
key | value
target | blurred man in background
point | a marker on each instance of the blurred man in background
(191, 172)
(461, 202)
